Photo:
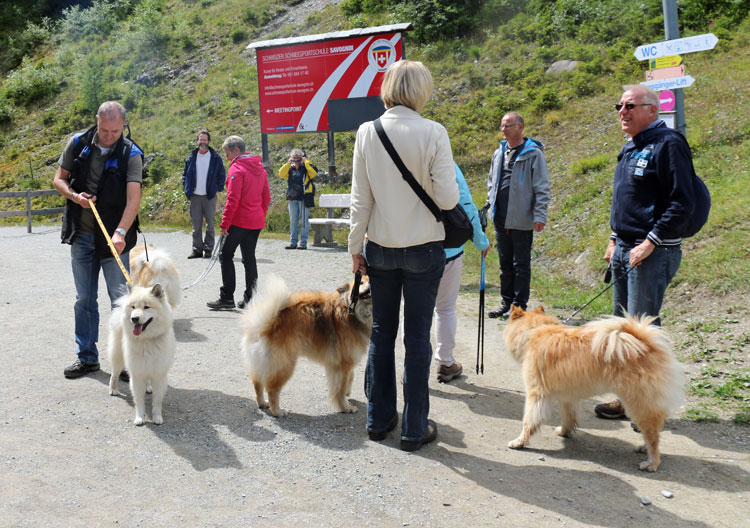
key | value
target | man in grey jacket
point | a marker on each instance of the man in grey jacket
(518, 193)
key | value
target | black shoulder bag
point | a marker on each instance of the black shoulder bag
(458, 228)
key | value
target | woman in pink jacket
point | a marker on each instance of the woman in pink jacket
(248, 197)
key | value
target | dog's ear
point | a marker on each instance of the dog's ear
(344, 288)
(156, 290)
(515, 312)
(539, 309)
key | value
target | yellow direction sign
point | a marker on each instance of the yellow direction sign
(665, 62)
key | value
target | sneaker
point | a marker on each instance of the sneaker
(501, 312)
(124, 376)
(221, 304)
(429, 436)
(301, 247)
(611, 410)
(207, 254)
(446, 374)
(195, 254)
(78, 369)
(377, 436)
(291, 246)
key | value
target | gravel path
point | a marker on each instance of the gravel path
(71, 456)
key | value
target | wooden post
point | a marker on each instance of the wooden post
(28, 210)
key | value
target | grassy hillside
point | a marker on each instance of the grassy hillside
(181, 66)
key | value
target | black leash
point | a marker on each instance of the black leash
(480, 327)
(607, 278)
(354, 297)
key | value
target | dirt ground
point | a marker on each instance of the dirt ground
(72, 457)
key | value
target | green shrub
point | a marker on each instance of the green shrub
(31, 83)
(6, 111)
(238, 35)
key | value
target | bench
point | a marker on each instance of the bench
(323, 227)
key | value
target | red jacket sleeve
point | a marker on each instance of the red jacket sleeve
(234, 191)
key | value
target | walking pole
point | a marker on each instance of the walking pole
(480, 327)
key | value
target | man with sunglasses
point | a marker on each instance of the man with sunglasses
(652, 200)
(518, 193)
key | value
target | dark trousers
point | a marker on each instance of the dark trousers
(246, 239)
(514, 250)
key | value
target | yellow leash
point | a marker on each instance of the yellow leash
(109, 241)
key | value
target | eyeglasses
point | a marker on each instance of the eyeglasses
(508, 126)
(630, 106)
(298, 160)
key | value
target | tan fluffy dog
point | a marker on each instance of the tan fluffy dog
(279, 326)
(623, 355)
(158, 269)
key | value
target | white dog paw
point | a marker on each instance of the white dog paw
(138, 421)
(114, 392)
(560, 432)
(349, 409)
(264, 405)
(158, 420)
(280, 413)
(516, 444)
(648, 465)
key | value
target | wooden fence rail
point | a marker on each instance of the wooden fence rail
(29, 212)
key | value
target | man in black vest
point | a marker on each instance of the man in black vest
(105, 167)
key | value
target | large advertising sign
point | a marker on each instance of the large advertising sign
(296, 81)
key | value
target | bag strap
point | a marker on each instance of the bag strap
(408, 176)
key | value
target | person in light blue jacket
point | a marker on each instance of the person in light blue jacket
(445, 304)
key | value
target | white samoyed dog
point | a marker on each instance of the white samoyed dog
(142, 340)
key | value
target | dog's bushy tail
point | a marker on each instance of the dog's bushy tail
(162, 271)
(634, 343)
(269, 298)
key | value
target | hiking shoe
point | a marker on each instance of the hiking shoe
(501, 312)
(221, 304)
(207, 254)
(301, 247)
(446, 374)
(291, 246)
(78, 369)
(611, 410)
(124, 376)
(377, 436)
(195, 254)
(429, 436)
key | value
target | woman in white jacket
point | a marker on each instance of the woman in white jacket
(404, 253)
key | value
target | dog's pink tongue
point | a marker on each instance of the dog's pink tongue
(137, 329)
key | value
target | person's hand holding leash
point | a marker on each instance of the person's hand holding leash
(641, 252)
(610, 251)
(359, 264)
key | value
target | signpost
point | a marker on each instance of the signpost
(665, 62)
(666, 100)
(665, 73)
(665, 48)
(670, 83)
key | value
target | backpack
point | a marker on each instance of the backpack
(701, 197)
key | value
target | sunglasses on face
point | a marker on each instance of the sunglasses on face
(629, 106)
(298, 160)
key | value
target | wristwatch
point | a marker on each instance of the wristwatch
(121, 231)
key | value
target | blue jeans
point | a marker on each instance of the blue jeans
(514, 250)
(298, 212)
(415, 273)
(642, 291)
(86, 266)
(246, 239)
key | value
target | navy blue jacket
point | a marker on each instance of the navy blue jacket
(653, 189)
(214, 180)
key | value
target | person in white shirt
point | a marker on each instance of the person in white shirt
(202, 178)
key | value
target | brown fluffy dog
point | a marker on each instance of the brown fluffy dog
(158, 269)
(623, 355)
(279, 326)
